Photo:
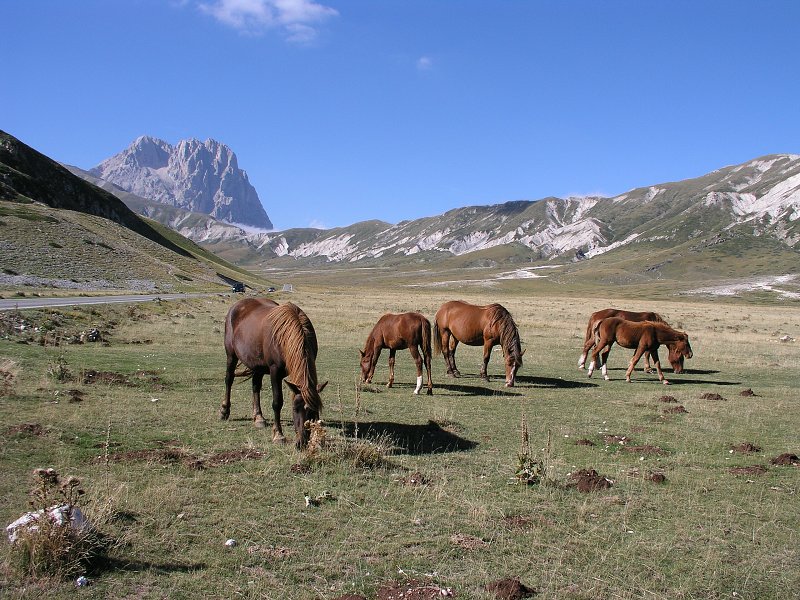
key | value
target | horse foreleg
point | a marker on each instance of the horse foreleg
(258, 418)
(657, 363)
(647, 368)
(392, 353)
(277, 405)
(636, 356)
(412, 348)
(230, 370)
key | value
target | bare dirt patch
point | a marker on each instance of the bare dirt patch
(26, 429)
(413, 590)
(415, 479)
(584, 442)
(509, 589)
(351, 597)
(139, 378)
(668, 399)
(712, 396)
(467, 542)
(588, 480)
(616, 439)
(657, 477)
(752, 470)
(675, 410)
(747, 392)
(787, 458)
(172, 455)
(745, 448)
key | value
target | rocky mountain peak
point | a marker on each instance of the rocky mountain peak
(197, 176)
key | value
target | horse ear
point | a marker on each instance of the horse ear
(321, 386)
(524, 350)
(361, 352)
(292, 387)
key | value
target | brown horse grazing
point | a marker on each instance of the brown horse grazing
(646, 336)
(675, 358)
(473, 325)
(397, 332)
(280, 340)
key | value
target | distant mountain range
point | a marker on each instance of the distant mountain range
(760, 198)
(196, 176)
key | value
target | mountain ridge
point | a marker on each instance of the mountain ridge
(197, 176)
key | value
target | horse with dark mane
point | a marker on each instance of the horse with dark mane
(675, 358)
(279, 340)
(397, 332)
(486, 326)
(646, 336)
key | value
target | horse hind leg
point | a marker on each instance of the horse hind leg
(418, 362)
(230, 370)
(391, 367)
(258, 418)
(277, 405)
(587, 346)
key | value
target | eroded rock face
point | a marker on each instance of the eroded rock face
(198, 176)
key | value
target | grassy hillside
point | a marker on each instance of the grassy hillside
(59, 231)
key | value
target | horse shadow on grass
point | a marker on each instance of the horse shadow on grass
(110, 564)
(416, 439)
(553, 382)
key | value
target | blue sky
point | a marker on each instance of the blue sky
(344, 111)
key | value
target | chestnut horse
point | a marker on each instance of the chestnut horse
(396, 332)
(646, 336)
(675, 358)
(278, 339)
(473, 325)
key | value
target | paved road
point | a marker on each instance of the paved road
(21, 303)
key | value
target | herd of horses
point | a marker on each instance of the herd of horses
(279, 340)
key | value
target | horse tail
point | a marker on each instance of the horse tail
(426, 337)
(596, 332)
(437, 338)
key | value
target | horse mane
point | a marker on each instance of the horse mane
(509, 333)
(294, 333)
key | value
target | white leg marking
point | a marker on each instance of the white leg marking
(419, 384)
(591, 369)
(582, 360)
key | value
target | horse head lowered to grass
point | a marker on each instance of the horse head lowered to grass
(279, 340)
(646, 336)
(396, 332)
(474, 325)
(675, 357)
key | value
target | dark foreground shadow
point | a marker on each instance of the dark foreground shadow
(409, 439)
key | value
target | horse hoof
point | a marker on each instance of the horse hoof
(224, 414)
(665, 382)
(416, 392)
(278, 439)
(260, 423)
(607, 378)
(429, 393)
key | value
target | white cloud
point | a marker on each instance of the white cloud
(295, 17)
(424, 63)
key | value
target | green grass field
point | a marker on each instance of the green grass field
(170, 483)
